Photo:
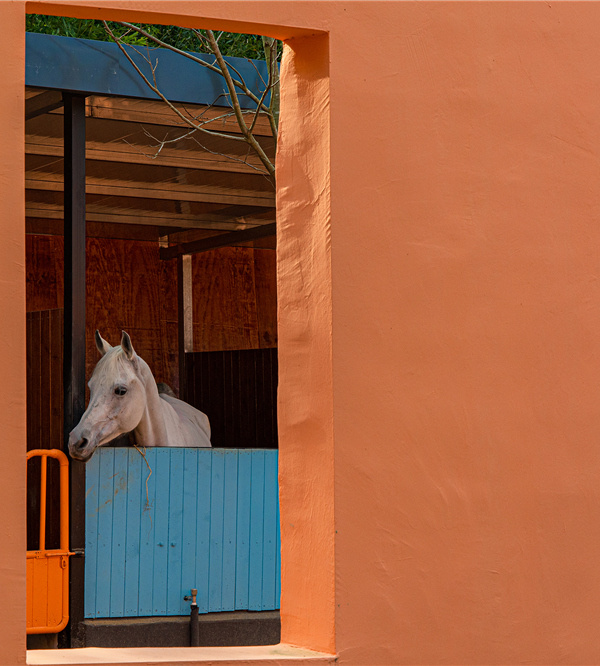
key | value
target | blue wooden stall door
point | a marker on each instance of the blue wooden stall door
(178, 519)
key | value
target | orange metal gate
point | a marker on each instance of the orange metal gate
(48, 570)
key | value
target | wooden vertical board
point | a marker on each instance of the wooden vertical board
(33, 430)
(265, 281)
(105, 523)
(44, 378)
(271, 501)
(229, 528)
(56, 380)
(148, 491)
(92, 534)
(215, 557)
(205, 458)
(228, 431)
(161, 531)
(190, 522)
(135, 486)
(243, 529)
(249, 409)
(214, 388)
(257, 496)
(233, 397)
(190, 372)
(274, 367)
(119, 533)
(29, 369)
(34, 385)
(175, 537)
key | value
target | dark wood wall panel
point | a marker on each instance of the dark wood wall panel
(44, 418)
(45, 380)
(238, 392)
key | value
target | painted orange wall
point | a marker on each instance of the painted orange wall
(439, 307)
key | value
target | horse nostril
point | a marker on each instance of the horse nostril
(81, 444)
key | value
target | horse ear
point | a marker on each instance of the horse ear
(101, 343)
(126, 346)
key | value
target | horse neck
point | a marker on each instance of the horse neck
(151, 430)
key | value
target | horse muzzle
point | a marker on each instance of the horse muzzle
(80, 448)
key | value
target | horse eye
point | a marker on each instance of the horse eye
(120, 390)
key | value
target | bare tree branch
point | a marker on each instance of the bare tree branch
(223, 68)
(155, 88)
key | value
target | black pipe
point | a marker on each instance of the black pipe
(194, 624)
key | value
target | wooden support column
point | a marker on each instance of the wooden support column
(74, 344)
(185, 317)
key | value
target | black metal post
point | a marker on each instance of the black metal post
(74, 343)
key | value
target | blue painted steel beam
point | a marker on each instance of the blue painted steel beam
(99, 68)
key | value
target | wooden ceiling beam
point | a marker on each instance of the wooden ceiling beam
(126, 153)
(42, 103)
(156, 113)
(222, 240)
(36, 180)
(95, 213)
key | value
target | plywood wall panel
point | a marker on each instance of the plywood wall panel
(266, 297)
(225, 315)
(45, 281)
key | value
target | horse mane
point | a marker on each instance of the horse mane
(114, 359)
(165, 389)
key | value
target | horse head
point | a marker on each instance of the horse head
(117, 399)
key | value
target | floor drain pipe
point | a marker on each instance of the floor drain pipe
(194, 625)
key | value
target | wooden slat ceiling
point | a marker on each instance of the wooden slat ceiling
(144, 178)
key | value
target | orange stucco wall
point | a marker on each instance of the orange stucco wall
(439, 253)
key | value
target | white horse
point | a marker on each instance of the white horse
(124, 398)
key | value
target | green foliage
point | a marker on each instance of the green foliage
(231, 44)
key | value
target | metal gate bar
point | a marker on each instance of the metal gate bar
(48, 570)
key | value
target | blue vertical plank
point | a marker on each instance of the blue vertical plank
(229, 530)
(174, 550)
(190, 508)
(135, 470)
(269, 574)
(256, 530)
(92, 477)
(119, 529)
(105, 519)
(278, 552)
(216, 532)
(161, 531)
(148, 488)
(243, 529)
(205, 457)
